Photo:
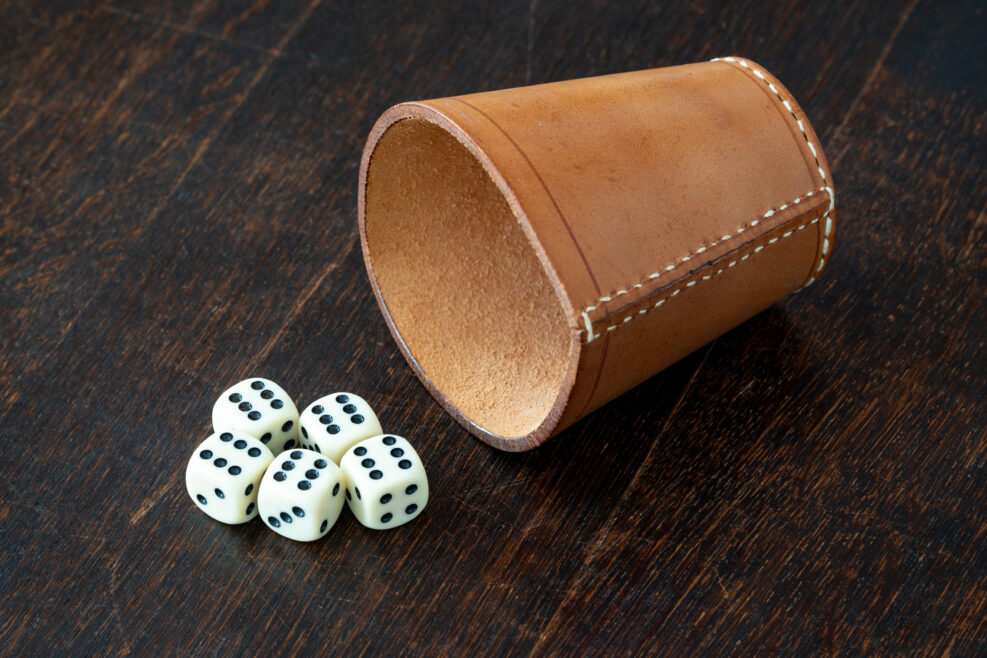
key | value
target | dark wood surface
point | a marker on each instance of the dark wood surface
(178, 211)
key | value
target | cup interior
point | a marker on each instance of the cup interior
(461, 282)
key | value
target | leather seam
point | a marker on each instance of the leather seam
(826, 232)
(828, 226)
(711, 275)
(702, 249)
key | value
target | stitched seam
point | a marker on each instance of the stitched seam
(827, 244)
(828, 227)
(707, 277)
(706, 246)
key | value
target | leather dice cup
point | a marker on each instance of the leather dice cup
(538, 251)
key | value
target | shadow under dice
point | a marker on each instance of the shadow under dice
(331, 425)
(386, 484)
(224, 474)
(301, 495)
(260, 408)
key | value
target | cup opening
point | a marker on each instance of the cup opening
(461, 282)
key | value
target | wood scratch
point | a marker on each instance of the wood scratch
(878, 65)
(531, 41)
(115, 607)
(298, 306)
(486, 512)
(719, 581)
(152, 500)
(143, 18)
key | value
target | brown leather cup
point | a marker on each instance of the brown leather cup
(538, 251)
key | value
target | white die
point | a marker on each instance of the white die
(260, 408)
(386, 485)
(301, 495)
(224, 473)
(331, 425)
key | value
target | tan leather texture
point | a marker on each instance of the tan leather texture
(539, 251)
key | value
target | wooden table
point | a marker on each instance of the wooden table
(178, 211)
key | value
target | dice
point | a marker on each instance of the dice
(386, 484)
(224, 474)
(260, 408)
(331, 425)
(301, 495)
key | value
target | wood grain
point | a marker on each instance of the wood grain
(177, 211)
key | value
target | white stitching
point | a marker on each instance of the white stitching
(828, 226)
(689, 284)
(589, 328)
(815, 154)
(827, 240)
(710, 245)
